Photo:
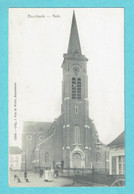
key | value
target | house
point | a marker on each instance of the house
(117, 155)
(15, 158)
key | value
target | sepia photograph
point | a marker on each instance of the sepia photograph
(66, 97)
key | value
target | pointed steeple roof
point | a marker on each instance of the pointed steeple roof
(74, 43)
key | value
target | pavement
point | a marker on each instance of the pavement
(36, 181)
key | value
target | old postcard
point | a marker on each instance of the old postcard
(66, 97)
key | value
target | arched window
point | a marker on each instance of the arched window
(46, 157)
(76, 109)
(77, 134)
(73, 88)
(79, 88)
(98, 157)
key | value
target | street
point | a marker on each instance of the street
(36, 181)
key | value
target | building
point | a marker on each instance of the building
(117, 155)
(15, 158)
(72, 139)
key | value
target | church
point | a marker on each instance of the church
(71, 141)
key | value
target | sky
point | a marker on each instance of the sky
(38, 38)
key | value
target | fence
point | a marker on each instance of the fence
(69, 172)
(89, 177)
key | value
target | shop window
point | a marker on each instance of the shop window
(121, 164)
(114, 165)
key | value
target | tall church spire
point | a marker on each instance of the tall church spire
(74, 43)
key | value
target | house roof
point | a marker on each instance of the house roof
(14, 150)
(31, 126)
(119, 141)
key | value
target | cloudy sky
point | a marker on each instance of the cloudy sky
(37, 40)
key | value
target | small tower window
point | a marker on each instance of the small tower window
(76, 53)
(79, 88)
(77, 134)
(76, 109)
(73, 88)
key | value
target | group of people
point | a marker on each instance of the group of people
(16, 177)
(48, 174)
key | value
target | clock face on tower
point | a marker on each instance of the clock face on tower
(76, 69)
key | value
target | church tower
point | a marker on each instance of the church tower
(76, 129)
(71, 140)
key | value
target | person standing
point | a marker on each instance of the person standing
(25, 175)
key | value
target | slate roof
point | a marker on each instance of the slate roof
(31, 126)
(74, 42)
(119, 141)
(14, 150)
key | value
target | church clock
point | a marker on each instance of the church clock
(76, 69)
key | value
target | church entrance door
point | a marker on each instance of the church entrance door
(77, 160)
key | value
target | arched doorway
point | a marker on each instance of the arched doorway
(77, 160)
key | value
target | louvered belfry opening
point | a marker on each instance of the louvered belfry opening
(76, 88)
